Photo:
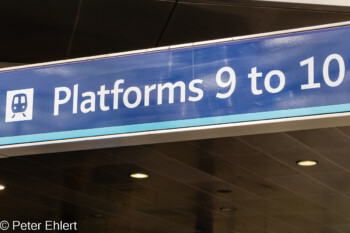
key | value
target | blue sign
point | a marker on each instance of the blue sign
(280, 76)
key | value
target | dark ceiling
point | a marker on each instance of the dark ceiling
(257, 175)
(189, 184)
(41, 30)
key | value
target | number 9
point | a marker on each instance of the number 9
(229, 83)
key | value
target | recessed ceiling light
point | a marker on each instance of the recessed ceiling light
(307, 163)
(139, 175)
(228, 209)
(2, 187)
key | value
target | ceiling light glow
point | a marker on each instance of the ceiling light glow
(2, 187)
(139, 175)
(307, 163)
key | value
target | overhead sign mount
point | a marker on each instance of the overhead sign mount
(289, 74)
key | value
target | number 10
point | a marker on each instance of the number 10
(311, 72)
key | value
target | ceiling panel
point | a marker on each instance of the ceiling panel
(206, 21)
(254, 178)
(36, 31)
(116, 26)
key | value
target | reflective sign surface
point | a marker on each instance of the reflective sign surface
(289, 75)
